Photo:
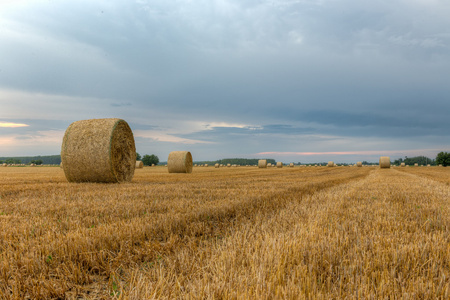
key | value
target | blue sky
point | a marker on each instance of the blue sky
(292, 80)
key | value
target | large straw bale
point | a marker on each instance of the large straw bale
(291, 165)
(139, 164)
(262, 163)
(331, 164)
(98, 150)
(279, 164)
(359, 164)
(385, 162)
(416, 165)
(179, 162)
(402, 164)
(216, 165)
(5, 165)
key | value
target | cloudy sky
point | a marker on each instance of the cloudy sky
(306, 80)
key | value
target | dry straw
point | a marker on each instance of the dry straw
(216, 165)
(359, 164)
(402, 164)
(385, 162)
(279, 164)
(98, 150)
(416, 165)
(180, 162)
(139, 164)
(5, 165)
(291, 165)
(262, 163)
(331, 164)
(228, 165)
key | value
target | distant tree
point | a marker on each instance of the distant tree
(37, 162)
(138, 156)
(11, 161)
(148, 160)
(1, 161)
(443, 158)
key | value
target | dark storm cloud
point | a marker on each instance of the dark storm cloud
(323, 70)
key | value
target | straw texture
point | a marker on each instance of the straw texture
(359, 164)
(98, 150)
(216, 165)
(331, 164)
(179, 162)
(262, 163)
(402, 164)
(385, 162)
(139, 164)
(279, 164)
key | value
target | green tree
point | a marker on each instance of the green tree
(443, 158)
(148, 160)
(138, 156)
(37, 162)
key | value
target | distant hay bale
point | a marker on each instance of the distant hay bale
(180, 162)
(216, 165)
(195, 165)
(153, 165)
(32, 165)
(402, 164)
(262, 163)
(139, 164)
(206, 165)
(428, 165)
(416, 165)
(440, 165)
(291, 165)
(279, 164)
(269, 164)
(98, 150)
(234, 166)
(228, 165)
(385, 162)
(4, 165)
(331, 164)
(359, 164)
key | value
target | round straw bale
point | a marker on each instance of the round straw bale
(98, 150)
(416, 165)
(5, 165)
(428, 165)
(291, 165)
(216, 165)
(262, 163)
(385, 162)
(359, 164)
(139, 164)
(228, 165)
(206, 165)
(331, 164)
(279, 164)
(180, 162)
(402, 164)
(269, 164)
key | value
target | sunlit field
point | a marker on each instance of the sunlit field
(228, 233)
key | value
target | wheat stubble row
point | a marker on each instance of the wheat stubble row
(60, 239)
(384, 236)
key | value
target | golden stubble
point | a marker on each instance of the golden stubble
(226, 233)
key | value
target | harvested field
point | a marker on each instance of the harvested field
(227, 233)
